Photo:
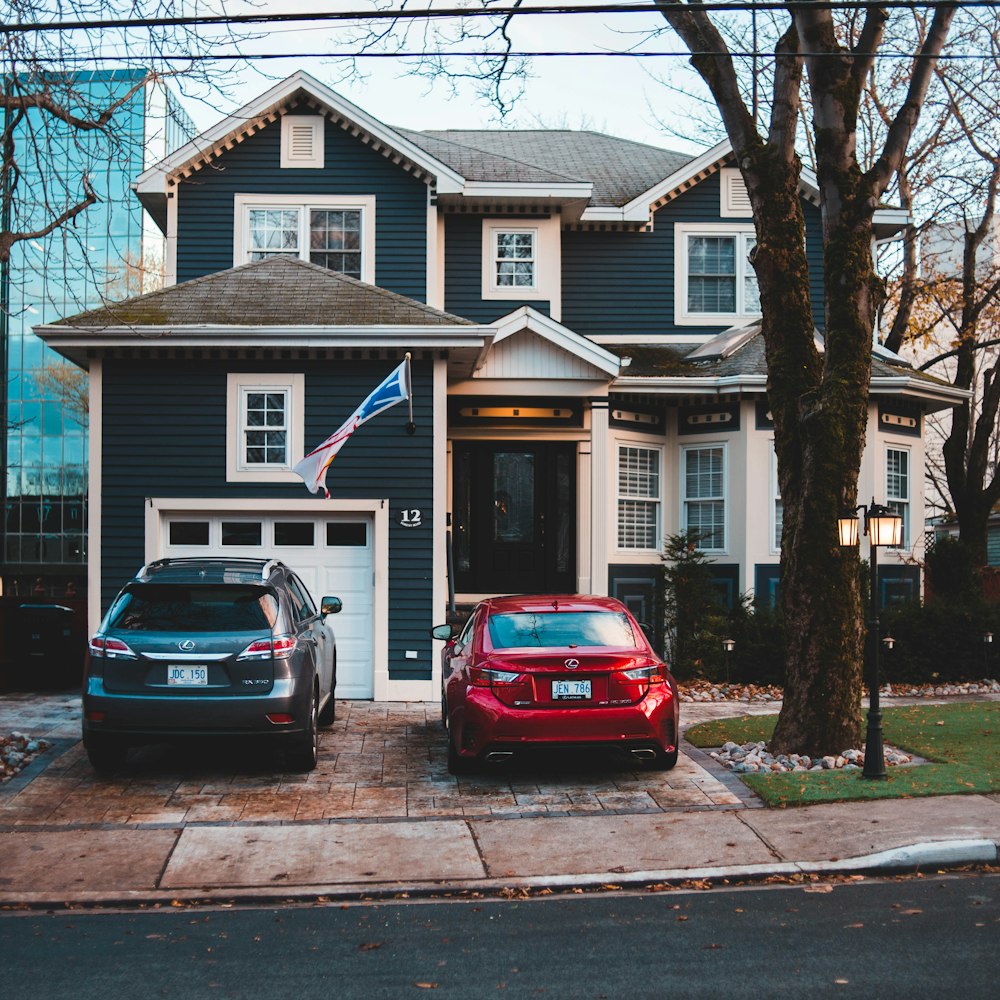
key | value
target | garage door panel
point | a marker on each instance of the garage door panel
(338, 563)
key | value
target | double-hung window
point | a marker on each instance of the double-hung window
(715, 281)
(897, 487)
(703, 495)
(777, 508)
(335, 233)
(514, 261)
(265, 434)
(638, 498)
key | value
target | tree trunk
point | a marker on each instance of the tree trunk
(819, 406)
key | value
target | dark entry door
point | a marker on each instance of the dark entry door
(514, 523)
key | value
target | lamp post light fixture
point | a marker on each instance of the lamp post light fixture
(987, 640)
(728, 645)
(883, 527)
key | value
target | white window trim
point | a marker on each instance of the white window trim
(682, 230)
(288, 159)
(734, 200)
(908, 502)
(547, 261)
(243, 203)
(295, 386)
(658, 500)
(683, 498)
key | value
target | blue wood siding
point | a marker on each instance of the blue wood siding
(623, 282)
(463, 268)
(164, 435)
(205, 204)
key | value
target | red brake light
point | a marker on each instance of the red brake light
(652, 675)
(111, 648)
(481, 677)
(280, 647)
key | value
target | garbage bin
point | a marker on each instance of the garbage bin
(45, 654)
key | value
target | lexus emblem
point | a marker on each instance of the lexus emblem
(572, 664)
(187, 645)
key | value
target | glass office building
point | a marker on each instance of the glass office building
(110, 251)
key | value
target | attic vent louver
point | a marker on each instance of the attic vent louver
(735, 200)
(302, 141)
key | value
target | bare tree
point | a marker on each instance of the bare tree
(945, 301)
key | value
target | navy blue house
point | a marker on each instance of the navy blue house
(588, 373)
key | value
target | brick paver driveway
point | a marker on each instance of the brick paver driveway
(377, 762)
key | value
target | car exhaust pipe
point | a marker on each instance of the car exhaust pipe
(499, 756)
(644, 754)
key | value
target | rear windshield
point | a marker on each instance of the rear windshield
(151, 607)
(561, 628)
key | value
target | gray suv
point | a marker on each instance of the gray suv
(210, 647)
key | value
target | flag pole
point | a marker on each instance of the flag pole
(411, 427)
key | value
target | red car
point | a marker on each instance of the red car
(554, 671)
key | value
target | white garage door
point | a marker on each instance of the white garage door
(332, 554)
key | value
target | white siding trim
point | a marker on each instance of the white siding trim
(95, 445)
(601, 514)
(441, 465)
(170, 261)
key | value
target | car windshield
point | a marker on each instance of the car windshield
(561, 629)
(150, 607)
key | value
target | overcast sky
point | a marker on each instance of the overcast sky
(616, 95)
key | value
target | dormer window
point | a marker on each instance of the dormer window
(514, 258)
(302, 142)
(522, 261)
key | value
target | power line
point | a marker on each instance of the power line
(455, 13)
(679, 54)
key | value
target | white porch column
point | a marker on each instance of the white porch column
(600, 476)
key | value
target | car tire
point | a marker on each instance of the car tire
(305, 755)
(105, 753)
(457, 764)
(328, 713)
(664, 761)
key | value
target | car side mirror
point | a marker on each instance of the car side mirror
(445, 632)
(331, 605)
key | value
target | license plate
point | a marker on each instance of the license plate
(187, 676)
(570, 690)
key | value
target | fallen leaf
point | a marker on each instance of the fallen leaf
(841, 982)
(371, 946)
(426, 986)
(818, 888)
(855, 925)
(910, 913)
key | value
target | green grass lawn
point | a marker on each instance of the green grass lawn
(962, 742)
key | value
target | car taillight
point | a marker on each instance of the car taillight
(111, 648)
(483, 678)
(652, 675)
(280, 648)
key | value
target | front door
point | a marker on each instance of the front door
(514, 523)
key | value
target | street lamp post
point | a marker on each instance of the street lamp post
(728, 645)
(883, 527)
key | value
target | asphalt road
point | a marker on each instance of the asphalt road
(907, 938)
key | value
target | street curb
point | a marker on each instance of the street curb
(939, 855)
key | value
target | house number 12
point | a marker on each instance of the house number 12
(410, 518)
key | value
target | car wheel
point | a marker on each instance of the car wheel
(105, 754)
(457, 764)
(306, 752)
(664, 761)
(328, 713)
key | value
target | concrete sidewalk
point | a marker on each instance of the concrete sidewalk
(387, 819)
